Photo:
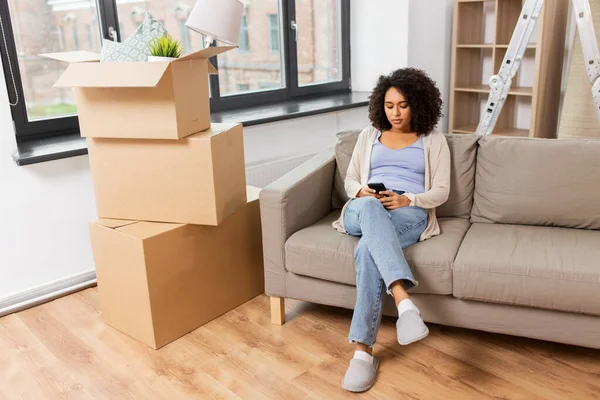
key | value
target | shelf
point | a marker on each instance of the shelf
(467, 108)
(512, 132)
(525, 77)
(521, 91)
(481, 16)
(471, 64)
(505, 46)
(465, 129)
(473, 88)
(515, 90)
(490, 46)
(515, 116)
(482, 34)
(508, 13)
(475, 46)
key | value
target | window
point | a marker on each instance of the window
(299, 47)
(48, 27)
(244, 44)
(184, 33)
(319, 58)
(75, 35)
(88, 36)
(274, 33)
(256, 64)
(61, 38)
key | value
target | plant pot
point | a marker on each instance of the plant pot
(160, 59)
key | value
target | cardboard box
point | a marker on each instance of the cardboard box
(140, 100)
(159, 281)
(200, 179)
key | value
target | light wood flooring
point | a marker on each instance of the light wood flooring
(62, 349)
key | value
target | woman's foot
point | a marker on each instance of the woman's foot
(361, 373)
(410, 326)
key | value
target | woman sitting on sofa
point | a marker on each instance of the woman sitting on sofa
(399, 151)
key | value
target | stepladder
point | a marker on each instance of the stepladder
(500, 83)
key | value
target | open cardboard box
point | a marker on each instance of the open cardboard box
(159, 281)
(200, 179)
(140, 100)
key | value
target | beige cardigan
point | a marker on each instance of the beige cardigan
(437, 176)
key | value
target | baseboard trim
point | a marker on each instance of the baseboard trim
(47, 292)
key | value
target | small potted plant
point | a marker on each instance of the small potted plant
(164, 48)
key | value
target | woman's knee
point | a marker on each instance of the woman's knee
(368, 203)
(369, 200)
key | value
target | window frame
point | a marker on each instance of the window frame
(345, 82)
(108, 17)
(24, 128)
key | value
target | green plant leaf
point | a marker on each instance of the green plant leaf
(165, 46)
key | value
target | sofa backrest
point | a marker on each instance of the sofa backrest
(538, 182)
(463, 150)
(343, 153)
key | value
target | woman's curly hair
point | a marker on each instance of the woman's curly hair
(420, 92)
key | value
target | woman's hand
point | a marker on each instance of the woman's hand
(392, 200)
(367, 191)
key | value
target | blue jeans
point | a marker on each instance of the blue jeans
(379, 258)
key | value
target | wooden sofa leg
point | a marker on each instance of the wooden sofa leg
(277, 310)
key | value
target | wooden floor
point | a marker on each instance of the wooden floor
(63, 349)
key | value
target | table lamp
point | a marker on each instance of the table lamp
(217, 19)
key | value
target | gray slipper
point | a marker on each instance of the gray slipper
(360, 375)
(410, 327)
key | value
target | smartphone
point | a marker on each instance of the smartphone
(378, 187)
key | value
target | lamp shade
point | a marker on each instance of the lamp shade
(219, 19)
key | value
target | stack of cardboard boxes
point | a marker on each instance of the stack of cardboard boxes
(178, 241)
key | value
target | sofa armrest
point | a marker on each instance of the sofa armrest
(296, 200)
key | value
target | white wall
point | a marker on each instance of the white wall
(299, 136)
(429, 44)
(379, 35)
(45, 208)
(391, 34)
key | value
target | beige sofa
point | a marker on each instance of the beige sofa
(519, 251)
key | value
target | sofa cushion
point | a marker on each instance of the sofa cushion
(538, 182)
(343, 153)
(321, 252)
(544, 267)
(463, 149)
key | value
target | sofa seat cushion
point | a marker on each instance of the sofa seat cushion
(321, 252)
(535, 266)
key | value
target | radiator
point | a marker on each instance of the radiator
(260, 175)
